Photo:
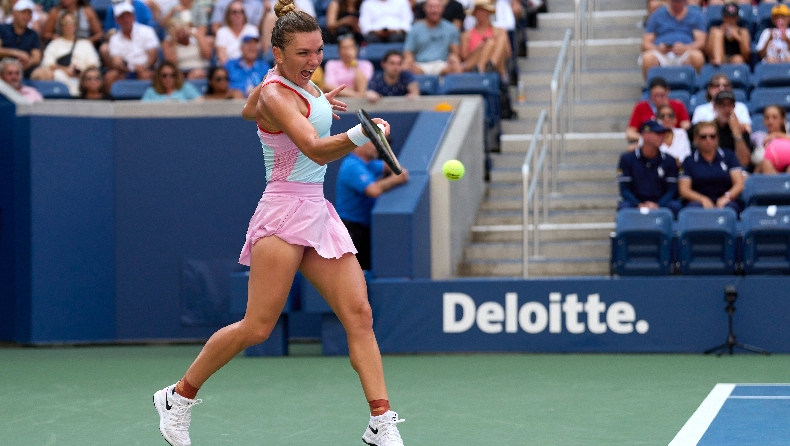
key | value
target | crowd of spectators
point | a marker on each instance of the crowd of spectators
(59, 40)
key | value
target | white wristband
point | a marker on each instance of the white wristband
(356, 136)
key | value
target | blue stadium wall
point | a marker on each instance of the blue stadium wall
(128, 229)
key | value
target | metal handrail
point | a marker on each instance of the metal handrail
(533, 168)
(559, 78)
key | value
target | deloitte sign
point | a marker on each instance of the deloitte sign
(460, 314)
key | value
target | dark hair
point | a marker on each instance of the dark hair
(211, 72)
(84, 74)
(179, 78)
(782, 111)
(389, 54)
(290, 21)
(657, 81)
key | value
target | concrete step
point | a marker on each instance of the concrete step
(556, 250)
(556, 202)
(613, 31)
(592, 47)
(600, 19)
(579, 125)
(542, 93)
(514, 190)
(565, 173)
(589, 79)
(537, 268)
(514, 217)
(575, 143)
(554, 6)
(610, 109)
(553, 232)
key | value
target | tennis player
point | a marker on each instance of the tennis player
(294, 228)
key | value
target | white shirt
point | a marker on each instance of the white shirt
(83, 56)
(375, 15)
(231, 42)
(133, 50)
(680, 148)
(777, 48)
(706, 112)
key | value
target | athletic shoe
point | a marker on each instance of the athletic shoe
(382, 430)
(175, 413)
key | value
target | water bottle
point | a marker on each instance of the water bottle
(521, 95)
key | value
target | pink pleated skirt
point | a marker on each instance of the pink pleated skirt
(299, 214)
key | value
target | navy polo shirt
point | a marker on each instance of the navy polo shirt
(400, 88)
(354, 176)
(711, 179)
(27, 41)
(642, 179)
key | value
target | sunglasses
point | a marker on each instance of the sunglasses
(708, 136)
(220, 78)
(237, 11)
(666, 115)
(166, 75)
(720, 85)
(92, 78)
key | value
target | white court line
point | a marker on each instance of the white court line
(695, 427)
(760, 397)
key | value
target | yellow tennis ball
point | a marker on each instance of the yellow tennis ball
(453, 170)
(443, 107)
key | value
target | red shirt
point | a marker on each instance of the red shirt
(643, 112)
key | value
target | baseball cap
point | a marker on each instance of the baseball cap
(122, 7)
(780, 9)
(651, 125)
(729, 10)
(249, 37)
(23, 5)
(724, 95)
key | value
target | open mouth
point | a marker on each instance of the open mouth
(306, 74)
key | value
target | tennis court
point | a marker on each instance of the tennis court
(101, 395)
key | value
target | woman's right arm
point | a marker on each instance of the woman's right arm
(250, 110)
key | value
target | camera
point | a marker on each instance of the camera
(730, 294)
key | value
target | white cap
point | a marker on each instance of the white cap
(118, 9)
(22, 5)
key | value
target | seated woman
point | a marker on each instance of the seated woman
(728, 42)
(349, 70)
(66, 57)
(218, 85)
(92, 85)
(772, 146)
(485, 47)
(711, 177)
(773, 42)
(227, 42)
(676, 143)
(88, 24)
(169, 85)
(342, 17)
(189, 50)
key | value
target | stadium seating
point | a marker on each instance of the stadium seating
(374, 52)
(739, 75)
(771, 75)
(51, 89)
(699, 98)
(766, 239)
(765, 190)
(745, 15)
(429, 84)
(642, 242)
(763, 17)
(129, 89)
(200, 84)
(678, 78)
(706, 241)
(486, 84)
(763, 97)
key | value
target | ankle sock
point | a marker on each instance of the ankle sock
(185, 389)
(378, 407)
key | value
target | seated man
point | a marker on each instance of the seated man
(247, 71)
(361, 179)
(647, 177)
(432, 44)
(646, 110)
(132, 50)
(732, 135)
(385, 20)
(19, 41)
(11, 73)
(393, 80)
(674, 35)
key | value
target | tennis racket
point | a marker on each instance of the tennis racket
(379, 141)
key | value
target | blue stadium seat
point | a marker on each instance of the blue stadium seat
(766, 239)
(763, 17)
(129, 89)
(51, 89)
(745, 15)
(429, 84)
(763, 97)
(739, 75)
(765, 190)
(642, 243)
(200, 84)
(678, 78)
(706, 241)
(374, 52)
(486, 84)
(330, 53)
(758, 123)
(771, 75)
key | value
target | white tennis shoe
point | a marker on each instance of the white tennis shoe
(382, 430)
(175, 413)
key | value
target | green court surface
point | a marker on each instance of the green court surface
(102, 396)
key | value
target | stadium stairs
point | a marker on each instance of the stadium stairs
(582, 212)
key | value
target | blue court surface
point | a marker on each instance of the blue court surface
(740, 414)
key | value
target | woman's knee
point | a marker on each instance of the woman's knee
(358, 316)
(253, 333)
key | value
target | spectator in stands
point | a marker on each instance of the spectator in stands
(19, 41)
(385, 20)
(253, 11)
(393, 80)
(646, 110)
(676, 143)
(88, 25)
(454, 13)
(705, 112)
(349, 70)
(67, 56)
(132, 50)
(731, 133)
(342, 17)
(361, 179)
(646, 176)
(228, 40)
(192, 13)
(169, 85)
(711, 177)
(247, 71)
(432, 44)
(142, 14)
(485, 47)
(728, 42)
(11, 74)
(674, 35)
(772, 145)
(187, 48)
(773, 42)
(218, 87)
(504, 16)
(92, 85)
